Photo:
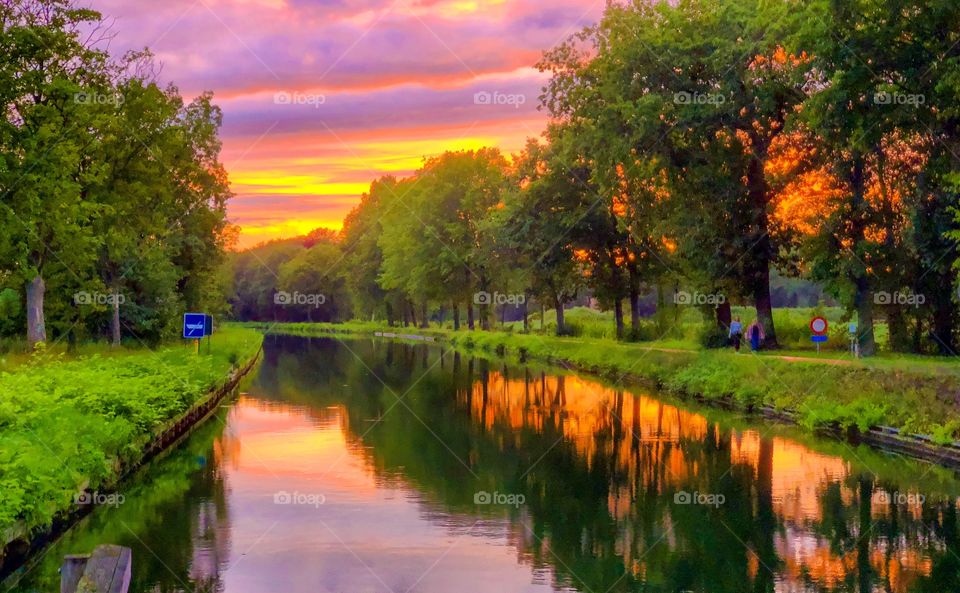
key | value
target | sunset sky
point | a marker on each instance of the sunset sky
(322, 96)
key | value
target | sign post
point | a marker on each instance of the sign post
(208, 329)
(195, 327)
(819, 326)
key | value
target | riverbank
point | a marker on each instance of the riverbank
(895, 398)
(70, 430)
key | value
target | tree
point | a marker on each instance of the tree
(362, 255)
(674, 86)
(312, 276)
(47, 130)
(536, 222)
(432, 241)
(256, 278)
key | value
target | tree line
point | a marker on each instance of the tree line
(112, 196)
(693, 146)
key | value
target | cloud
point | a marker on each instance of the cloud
(398, 80)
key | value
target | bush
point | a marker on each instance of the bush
(74, 424)
(713, 337)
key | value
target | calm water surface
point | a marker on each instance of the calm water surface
(356, 466)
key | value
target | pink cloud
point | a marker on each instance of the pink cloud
(395, 77)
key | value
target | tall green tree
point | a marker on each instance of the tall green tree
(433, 243)
(537, 225)
(49, 64)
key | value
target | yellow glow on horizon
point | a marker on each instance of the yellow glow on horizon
(461, 8)
(279, 183)
(329, 176)
(254, 233)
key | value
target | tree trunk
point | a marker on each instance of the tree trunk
(559, 307)
(526, 312)
(661, 316)
(543, 314)
(470, 321)
(918, 334)
(424, 322)
(897, 327)
(618, 316)
(764, 305)
(115, 319)
(456, 316)
(864, 304)
(943, 315)
(759, 264)
(36, 327)
(863, 298)
(724, 317)
(634, 303)
(485, 314)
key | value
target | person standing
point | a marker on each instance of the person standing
(736, 332)
(755, 335)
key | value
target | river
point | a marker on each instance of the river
(354, 466)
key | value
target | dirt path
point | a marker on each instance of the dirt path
(830, 361)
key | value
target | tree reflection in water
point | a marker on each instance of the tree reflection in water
(600, 468)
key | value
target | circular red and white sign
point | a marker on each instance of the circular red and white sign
(818, 325)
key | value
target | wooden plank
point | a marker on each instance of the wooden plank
(71, 570)
(107, 570)
(121, 578)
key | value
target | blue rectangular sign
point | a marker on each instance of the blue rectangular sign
(194, 325)
(818, 338)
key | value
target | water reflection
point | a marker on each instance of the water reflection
(355, 466)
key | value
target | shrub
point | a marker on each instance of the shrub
(68, 424)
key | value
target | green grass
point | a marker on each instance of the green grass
(684, 326)
(66, 425)
(14, 352)
(903, 392)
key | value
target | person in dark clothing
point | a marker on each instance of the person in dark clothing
(736, 333)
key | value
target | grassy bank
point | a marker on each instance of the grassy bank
(70, 425)
(904, 393)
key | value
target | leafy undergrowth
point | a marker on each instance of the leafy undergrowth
(914, 398)
(70, 425)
